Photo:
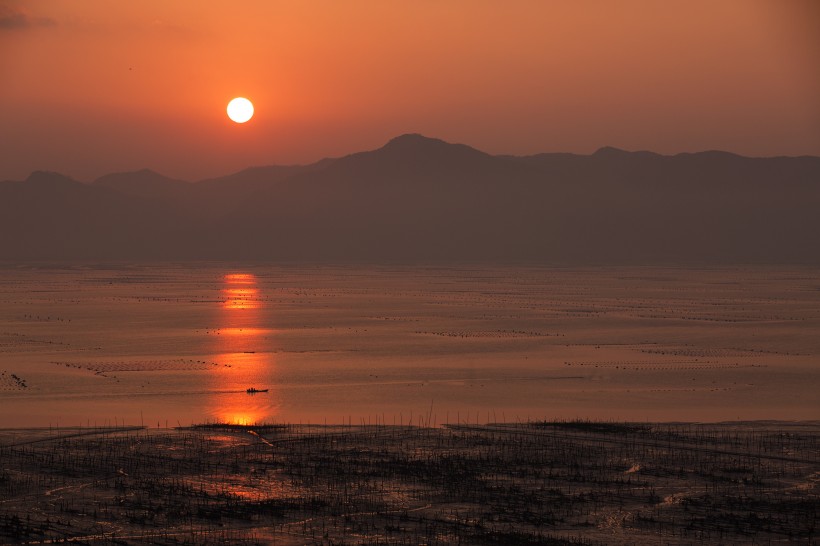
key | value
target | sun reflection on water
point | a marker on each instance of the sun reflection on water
(240, 342)
(241, 298)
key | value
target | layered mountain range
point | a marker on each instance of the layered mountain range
(423, 200)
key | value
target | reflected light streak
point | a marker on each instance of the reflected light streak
(241, 298)
(240, 291)
(244, 331)
(240, 278)
(241, 335)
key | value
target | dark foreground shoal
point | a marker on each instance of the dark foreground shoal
(524, 483)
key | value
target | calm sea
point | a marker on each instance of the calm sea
(167, 345)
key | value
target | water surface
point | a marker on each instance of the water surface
(164, 345)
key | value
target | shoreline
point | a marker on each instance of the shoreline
(359, 425)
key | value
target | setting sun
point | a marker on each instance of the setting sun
(240, 110)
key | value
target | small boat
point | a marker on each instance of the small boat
(254, 391)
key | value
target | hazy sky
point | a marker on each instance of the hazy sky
(89, 87)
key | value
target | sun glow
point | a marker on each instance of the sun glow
(240, 110)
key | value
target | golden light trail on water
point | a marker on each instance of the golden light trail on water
(239, 339)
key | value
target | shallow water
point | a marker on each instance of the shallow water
(164, 345)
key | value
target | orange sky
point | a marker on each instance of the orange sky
(95, 86)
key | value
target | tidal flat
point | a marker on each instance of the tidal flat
(559, 482)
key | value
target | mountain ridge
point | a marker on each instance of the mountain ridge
(399, 142)
(418, 199)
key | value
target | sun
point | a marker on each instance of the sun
(240, 109)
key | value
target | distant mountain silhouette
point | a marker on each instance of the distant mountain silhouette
(52, 217)
(147, 184)
(418, 199)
